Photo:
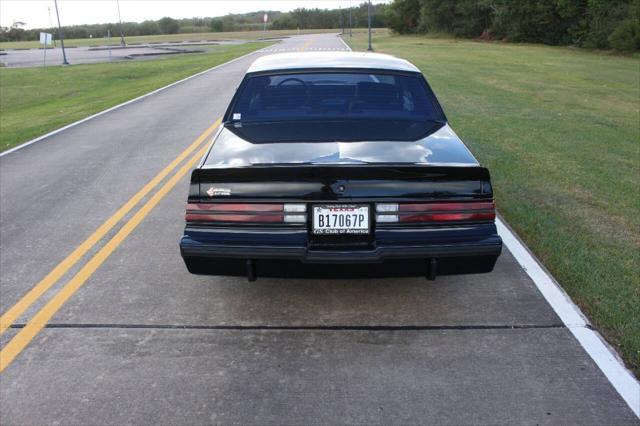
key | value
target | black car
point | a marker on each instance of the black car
(338, 164)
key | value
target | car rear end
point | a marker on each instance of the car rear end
(435, 220)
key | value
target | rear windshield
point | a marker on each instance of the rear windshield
(372, 106)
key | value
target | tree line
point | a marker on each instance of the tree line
(300, 18)
(600, 24)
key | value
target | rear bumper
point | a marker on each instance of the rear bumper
(468, 249)
(489, 247)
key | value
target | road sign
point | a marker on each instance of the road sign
(265, 17)
(45, 38)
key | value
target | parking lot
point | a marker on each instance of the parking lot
(97, 54)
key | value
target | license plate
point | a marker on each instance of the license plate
(340, 219)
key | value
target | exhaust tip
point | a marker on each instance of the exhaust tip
(432, 269)
(251, 270)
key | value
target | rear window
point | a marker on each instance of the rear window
(393, 102)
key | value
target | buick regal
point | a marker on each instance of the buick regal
(335, 162)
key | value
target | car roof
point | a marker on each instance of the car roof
(323, 60)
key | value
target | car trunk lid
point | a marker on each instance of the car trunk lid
(341, 183)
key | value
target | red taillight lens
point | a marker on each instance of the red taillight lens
(445, 207)
(435, 212)
(446, 217)
(246, 212)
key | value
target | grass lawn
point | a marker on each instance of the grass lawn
(245, 35)
(559, 128)
(34, 101)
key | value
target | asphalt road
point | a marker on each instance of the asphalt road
(143, 341)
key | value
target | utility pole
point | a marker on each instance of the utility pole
(341, 21)
(370, 49)
(122, 43)
(64, 55)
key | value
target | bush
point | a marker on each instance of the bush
(626, 37)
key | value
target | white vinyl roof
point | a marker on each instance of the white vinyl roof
(311, 60)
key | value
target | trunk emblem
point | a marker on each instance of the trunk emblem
(341, 188)
(212, 192)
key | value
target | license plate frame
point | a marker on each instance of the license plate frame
(336, 211)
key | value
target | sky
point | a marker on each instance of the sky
(35, 13)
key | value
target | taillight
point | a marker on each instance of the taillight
(435, 212)
(246, 212)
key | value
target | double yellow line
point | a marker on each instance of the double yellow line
(40, 319)
(306, 45)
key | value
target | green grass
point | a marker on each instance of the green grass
(244, 35)
(34, 101)
(559, 129)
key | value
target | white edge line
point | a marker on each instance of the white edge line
(344, 42)
(75, 123)
(598, 349)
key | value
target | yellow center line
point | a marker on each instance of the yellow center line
(40, 319)
(56, 273)
(306, 45)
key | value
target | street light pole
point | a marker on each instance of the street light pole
(51, 25)
(370, 49)
(122, 43)
(61, 34)
(350, 24)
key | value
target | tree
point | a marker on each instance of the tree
(403, 16)
(589, 23)
(463, 18)
(148, 28)
(626, 35)
(168, 25)
(216, 25)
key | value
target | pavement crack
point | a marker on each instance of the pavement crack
(301, 327)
